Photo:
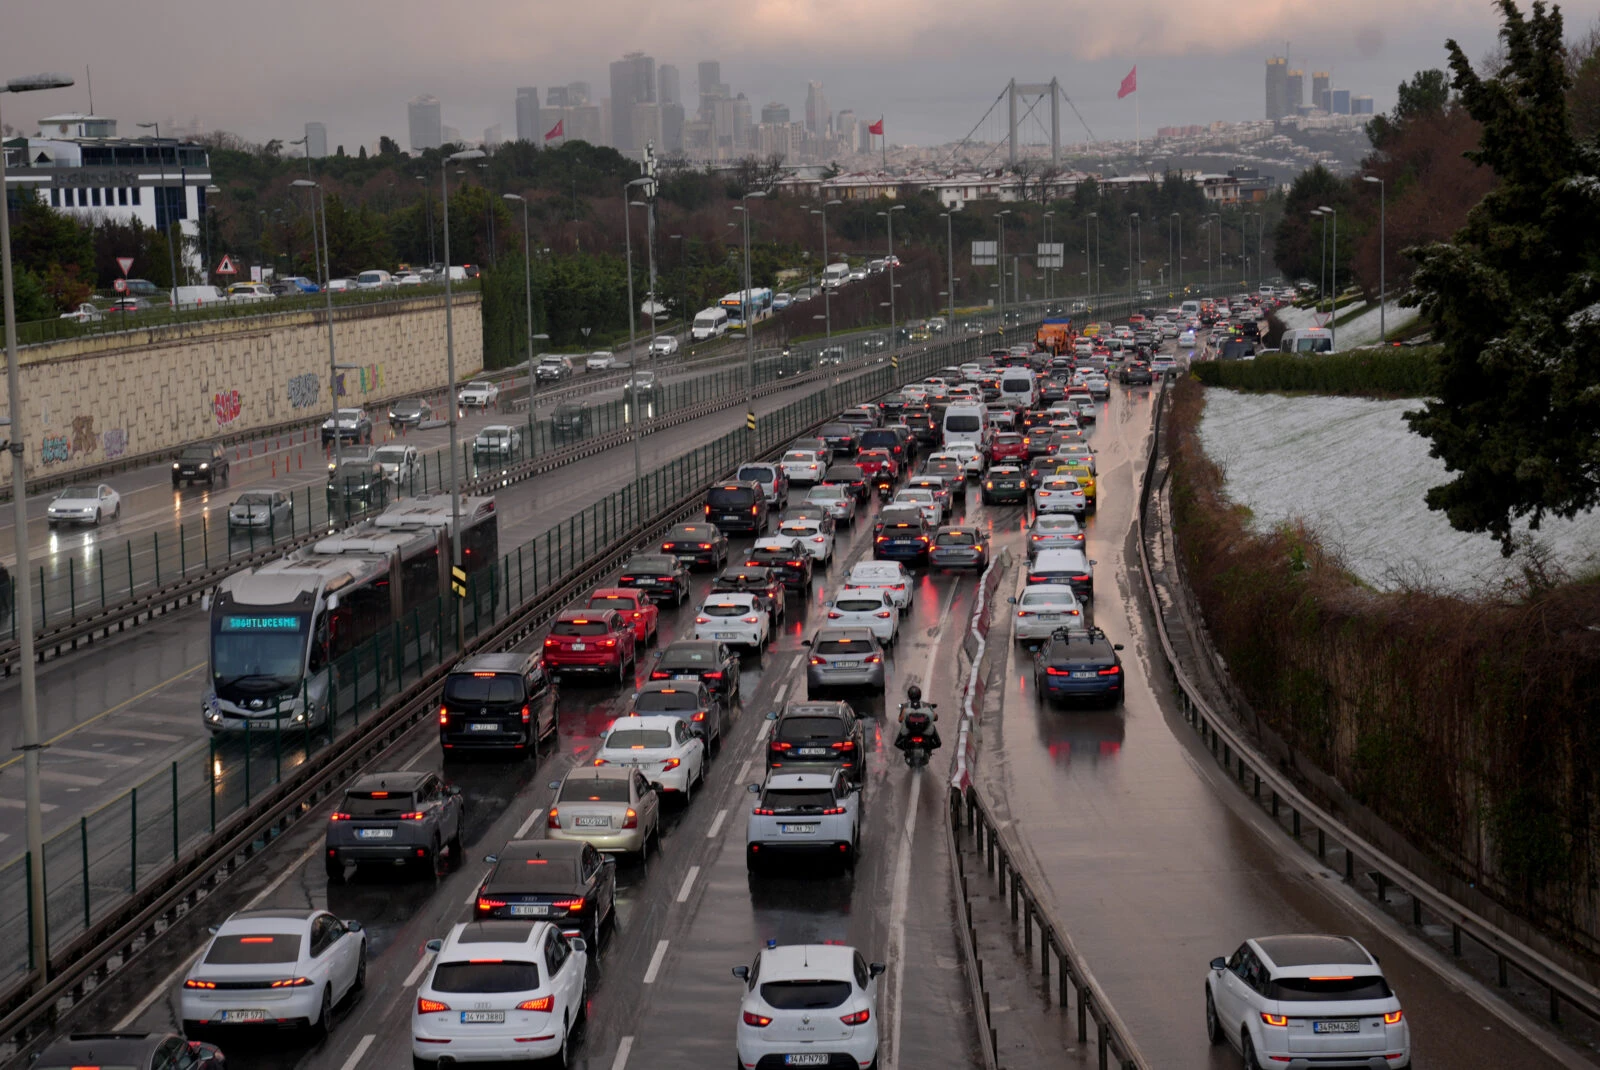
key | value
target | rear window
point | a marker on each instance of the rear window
(586, 790)
(1305, 989)
(572, 627)
(1007, 440)
(760, 473)
(483, 688)
(244, 949)
(638, 739)
(796, 729)
(377, 803)
(796, 800)
(651, 563)
(618, 602)
(842, 646)
(666, 701)
(805, 995)
(858, 604)
(879, 437)
(961, 423)
(731, 609)
(485, 977)
(956, 538)
(730, 497)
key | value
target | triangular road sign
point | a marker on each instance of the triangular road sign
(125, 263)
(226, 267)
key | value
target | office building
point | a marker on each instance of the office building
(633, 81)
(556, 97)
(583, 123)
(672, 119)
(1296, 91)
(667, 88)
(1340, 102)
(775, 139)
(1320, 81)
(699, 139)
(492, 136)
(1277, 87)
(774, 113)
(427, 128)
(711, 88)
(743, 124)
(817, 116)
(645, 122)
(578, 94)
(528, 118)
(316, 140)
(1360, 105)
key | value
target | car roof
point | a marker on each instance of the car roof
(690, 646)
(1299, 950)
(1061, 590)
(585, 614)
(484, 937)
(1061, 556)
(875, 568)
(657, 721)
(517, 850)
(106, 1047)
(601, 772)
(800, 780)
(817, 709)
(402, 781)
(671, 686)
(818, 962)
(853, 634)
(510, 661)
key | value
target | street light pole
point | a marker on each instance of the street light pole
(172, 256)
(889, 215)
(1049, 256)
(747, 306)
(1333, 278)
(1383, 197)
(1000, 263)
(450, 373)
(1132, 219)
(950, 264)
(827, 291)
(22, 593)
(527, 290)
(633, 407)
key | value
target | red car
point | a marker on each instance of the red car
(1008, 446)
(591, 641)
(871, 462)
(635, 605)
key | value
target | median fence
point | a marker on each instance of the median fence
(105, 869)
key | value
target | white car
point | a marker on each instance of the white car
(806, 1004)
(735, 618)
(84, 313)
(967, 455)
(1099, 386)
(409, 278)
(817, 540)
(1309, 1000)
(600, 361)
(479, 393)
(1186, 338)
(1044, 607)
(802, 466)
(890, 577)
(810, 814)
(663, 345)
(865, 607)
(498, 441)
(840, 503)
(87, 503)
(1060, 494)
(924, 500)
(499, 991)
(399, 463)
(1163, 365)
(274, 966)
(1055, 531)
(663, 747)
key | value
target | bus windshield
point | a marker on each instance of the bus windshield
(257, 651)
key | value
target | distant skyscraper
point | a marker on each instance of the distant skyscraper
(556, 97)
(1339, 102)
(427, 131)
(1360, 105)
(578, 94)
(316, 140)
(775, 113)
(1319, 90)
(667, 88)
(492, 136)
(816, 109)
(583, 123)
(1277, 87)
(633, 81)
(1297, 91)
(646, 124)
(672, 119)
(709, 84)
(743, 125)
(528, 125)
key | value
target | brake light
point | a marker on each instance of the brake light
(882, 614)
(671, 763)
(192, 983)
(846, 744)
(702, 620)
(1393, 1017)
(1084, 578)
(753, 510)
(782, 746)
(608, 643)
(760, 1021)
(554, 820)
(631, 819)
(547, 642)
(488, 904)
(1051, 671)
(708, 510)
(543, 1003)
(705, 546)
(834, 615)
(291, 982)
(859, 1017)
(713, 676)
(874, 659)
(1276, 1019)
(624, 579)
(1115, 670)
(414, 815)
(339, 817)
(568, 904)
(430, 1006)
(814, 659)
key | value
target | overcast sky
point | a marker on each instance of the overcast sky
(931, 67)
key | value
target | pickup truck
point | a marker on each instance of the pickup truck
(478, 394)
(84, 313)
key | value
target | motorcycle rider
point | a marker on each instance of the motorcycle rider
(917, 719)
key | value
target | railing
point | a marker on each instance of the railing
(1280, 797)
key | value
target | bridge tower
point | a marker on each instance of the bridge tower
(1033, 92)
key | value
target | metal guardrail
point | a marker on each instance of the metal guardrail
(1252, 771)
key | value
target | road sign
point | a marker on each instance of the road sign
(749, 421)
(894, 362)
(226, 267)
(984, 253)
(120, 285)
(125, 263)
(458, 581)
(1050, 255)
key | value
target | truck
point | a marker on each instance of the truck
(1056, 335)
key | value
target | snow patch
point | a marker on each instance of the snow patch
(1363, 330)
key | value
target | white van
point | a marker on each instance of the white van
(374, 280)
(1307, 340)
(1018, 387)
(966, 423)
(709, 323)
(197, 297)
(835, 276)
(1189, 308)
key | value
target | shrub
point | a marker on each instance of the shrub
(1393, 372)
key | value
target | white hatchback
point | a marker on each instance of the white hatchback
(887, 576)
(924, 500)
(840, 503)
(663, 747)
(802, 466)
(1059, 494)
(500, 991)
(735, 618)
(808, 1005)
(1042, 608)
(865, 607)
(818, 542)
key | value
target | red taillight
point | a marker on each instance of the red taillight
(631, 820)
(547, 643)
(814, 659)
(1392, 1017)
(553, 821)
(340, 817)
(568, 904)
(526, 715)
(859, 1017)
(430, 1006)
(882, 614)
(713, 676)
(291, 982)
(1049, 671)
(753, 509)
(1083, 578)
(608, 643)
(489, 904)
(192, 983)
(848, 744)
(414, 815)
(874, 659)
(760, 1021)
(751, 620)
(782, 746)
(705, 546)
(671, 763)
(543, 1003)
(1115, 670)
(833, 615)
(659, 675)
(444, 715)
(702, 620)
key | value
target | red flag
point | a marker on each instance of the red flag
(1130, 83)
(555, 131)
(875, 128)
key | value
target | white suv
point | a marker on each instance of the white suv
(806, 1004)
(889, 577)
(1306, 1000)
(865, 607)
(500, 990)
(815, 814)
(735, 618)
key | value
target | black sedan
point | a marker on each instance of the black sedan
(1078, 663)
(763, 582)
(1005, 483)
(661, 576)
(200, 464)
(848, 475)
(785, 556)
(700, 659)
(137, 1051)
(690, 699)
(841, 438)
(697, 544)
(1135, 373)
(566, 882)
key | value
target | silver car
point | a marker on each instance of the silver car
(1055, 531)
(399, 819)
(841, 504)
(270, 509)
(844, 657)
(611, 807)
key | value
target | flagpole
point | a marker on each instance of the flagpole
(1136, 152)
(883, 143)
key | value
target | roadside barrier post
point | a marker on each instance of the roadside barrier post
(72, 588)
(174, 811)
(100, 568)
(83, 848)
(133, 844)
(155, 553)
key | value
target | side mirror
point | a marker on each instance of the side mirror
(1116, 646)
(1219, 964)
(877, 969)
(578, 943)
(1012, 600)
(491, 859)
(435, 946)
(742, 972)
(212, 929)
(807, 642)
(333, 602)
(555, 785)
(772, 715)
(754, 789)
(658, 654)
(352, 926)
(453, 790)
(1092, 561)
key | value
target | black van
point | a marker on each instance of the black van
(497, 702)
(738, 507)
(892, 439)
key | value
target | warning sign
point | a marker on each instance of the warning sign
(125, 263)
(120, 285)
(226, 267)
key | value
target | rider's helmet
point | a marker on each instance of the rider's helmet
(914, 695)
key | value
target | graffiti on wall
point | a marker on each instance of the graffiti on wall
(367, 378)
(115, 442)
(84, 439)
(226, 406)
(303, 390)
(54, 448)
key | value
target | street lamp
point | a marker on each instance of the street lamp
(21, 585)
(205, 221)
(1175, 227)
(1333, 277)
(1089, 265)
(172, 256)
(1000, 262)
(527, 289)
(327, 294)
(1383, 196)
(950, 263)
(1133, 218)
(889, 215)
(450, 373)
(827, 291)
(632, 408)
(1210, 247)
(1049, 254)
(748, 313)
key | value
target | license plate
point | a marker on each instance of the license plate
(845, 665)
(530, 910)
(727, 635)
(594, 822)
(1336, 1027)
(797, 830)
(375, 834)
(1049, 616)
(686, 676)
(469, 1017)
(1084, 675)
(806, 1060)
(241, 1016)
(480, 727)
(811, 752)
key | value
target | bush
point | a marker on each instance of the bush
(1392, 372)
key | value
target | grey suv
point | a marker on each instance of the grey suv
(845, 658)
(402, 819)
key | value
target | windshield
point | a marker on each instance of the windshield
(253, 499)
(1313, 345)
(638, 739)
(594, 789)
(666, 702)
(390, 455)
(79, 492)
(247, 647)
(485, 977)
(408, 406)
(377, 803)
(196, 453)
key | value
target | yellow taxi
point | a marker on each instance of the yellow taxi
(1091, 330)
(1085, 479)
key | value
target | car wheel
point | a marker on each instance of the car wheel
(560, 1058)
(334, 869)
(97, 518)
(116, 511)
(454, 847)
(1214, 1031)
(176, 483)
(320, 1027)
(1247, 1049)
(211, 481)
(361, 971)
(688, 790)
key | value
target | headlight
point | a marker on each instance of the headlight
(174, 464)
(203, 467)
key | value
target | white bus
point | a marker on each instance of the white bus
(835, 276)
(709, 323)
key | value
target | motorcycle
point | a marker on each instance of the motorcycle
(918, 736)
(885, 487)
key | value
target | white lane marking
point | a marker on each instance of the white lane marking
(157, 992)
(415, 758)
(778, 702)
(136, 733)
(419, 969)
(688, 883)
(522, 829)
(289, 871)
(472, 896)
(18, 804)
(97, 755)
(56, 776)
(655, 963)
(361, 1049)
(623, 1049)
(716, 824)
(744, 771)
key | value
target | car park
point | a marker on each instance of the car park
(497, 702)
(1074, 662)
(662, 576)
(710, 660)
(697, 544)
(849, 657)
(812, 815)
(202, 463)
(760, 580)
(787, 556)
(1005, 484)
(1064, 566)
(959, 546)
(590, 642)
(735, 618)
(317, 959)
(570, 884)
(1042, 608)
(497, 991)
(737, 507)
(270, 509)
(396, 819)
(83, 503)
(409, 412)
(350, 425)
(661, 746)
(478, 394)
(807, 736)
(124, 1050)
(635, 607)
(689, 699)
(611, 808)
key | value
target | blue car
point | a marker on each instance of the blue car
(1079, 663)
(902, 534)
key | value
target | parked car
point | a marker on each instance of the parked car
(397, 819)
(201, 463)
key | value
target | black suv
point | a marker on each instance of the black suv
(697, 544)
(1078, 663)
(841, 438)
(1135, 373)
(701, 659)
(902, 533)
(497, 702)
(766, 583)
(818, 734)
(559, 880)
(200, 464)
(737, 507)
(661, 576)
(137, 1051)
(792, 562)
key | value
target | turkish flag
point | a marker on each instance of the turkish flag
(555, 131)
(1130, 83)
(875, 128)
